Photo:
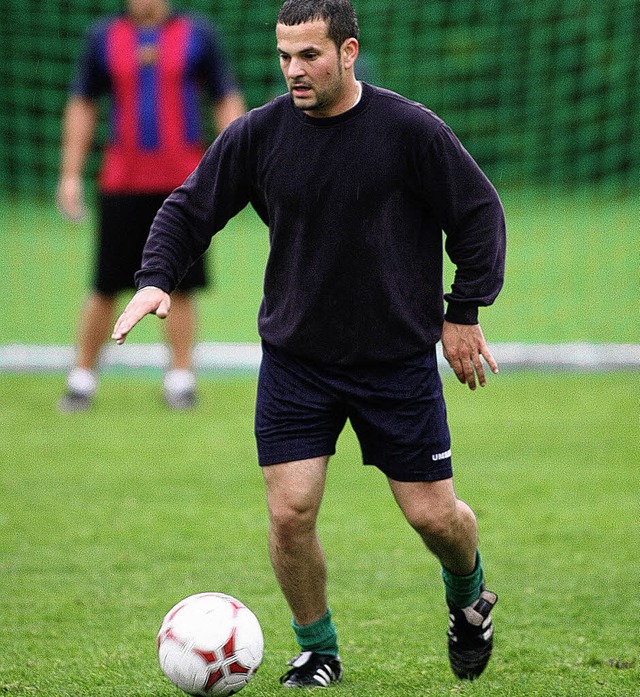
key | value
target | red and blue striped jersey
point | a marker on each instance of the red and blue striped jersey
(154, 78)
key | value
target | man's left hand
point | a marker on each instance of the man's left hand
(462, 346)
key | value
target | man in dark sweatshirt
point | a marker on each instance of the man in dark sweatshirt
(357, 185)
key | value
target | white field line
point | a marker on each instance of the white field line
(246, 356)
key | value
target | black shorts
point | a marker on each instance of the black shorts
(397, 412)
(124, 221)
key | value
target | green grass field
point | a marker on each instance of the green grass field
(572, 273)
(108, 518)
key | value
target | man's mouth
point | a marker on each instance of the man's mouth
(300, 90)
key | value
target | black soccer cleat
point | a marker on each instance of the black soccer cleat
(312, 670)
(471, 636)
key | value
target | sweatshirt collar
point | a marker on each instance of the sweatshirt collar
(326, 122)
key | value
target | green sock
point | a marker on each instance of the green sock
(320, 636)
(462, 591)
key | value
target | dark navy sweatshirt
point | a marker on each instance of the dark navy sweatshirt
(356, 206)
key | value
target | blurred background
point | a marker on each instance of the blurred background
(545, 96)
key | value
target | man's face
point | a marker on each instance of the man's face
(312, 67)
(147, 11)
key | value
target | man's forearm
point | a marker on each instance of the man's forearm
(78, 129)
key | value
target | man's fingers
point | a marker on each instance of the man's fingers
(464, 348)
(126, 322)
(70, 200)
(458, 370)
(491, 362)
(71, 211)
(163, 309)
(147, 301)
(463, 368)
(470, 370)
(469, 374)
(479, 368)
(123, 326)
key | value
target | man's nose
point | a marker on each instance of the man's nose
(295, 68)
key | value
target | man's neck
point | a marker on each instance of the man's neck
(348, 100)
(359, 97)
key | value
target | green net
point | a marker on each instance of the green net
(544, 92)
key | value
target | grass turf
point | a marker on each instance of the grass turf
(108, 518)
(571, 273)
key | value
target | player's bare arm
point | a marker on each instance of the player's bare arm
(79, 125)
(462, 346)
(147, 301)
(228, 109)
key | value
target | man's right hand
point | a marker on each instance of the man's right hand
(70, 199)
(147, 301)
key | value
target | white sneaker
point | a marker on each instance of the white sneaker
(179, 389)
(81, 387)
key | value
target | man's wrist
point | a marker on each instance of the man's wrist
(152, 280)
(66, 177)
(461, 313)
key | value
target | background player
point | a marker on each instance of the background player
(154, 65)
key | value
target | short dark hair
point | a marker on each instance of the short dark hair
(340, 16)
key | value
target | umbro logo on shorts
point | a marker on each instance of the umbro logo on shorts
(441, 456)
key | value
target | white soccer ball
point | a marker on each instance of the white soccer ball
(210, 644)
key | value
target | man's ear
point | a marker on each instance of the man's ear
(349, 52)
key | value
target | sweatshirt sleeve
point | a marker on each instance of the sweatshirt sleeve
(92, 78)
(182, 230)
(472, 217)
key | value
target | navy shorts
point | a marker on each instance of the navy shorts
(123, 228)
(396, 410)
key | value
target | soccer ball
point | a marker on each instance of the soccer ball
(210, 644)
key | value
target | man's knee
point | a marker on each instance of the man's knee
(294, 495)
(291, 522)
(432, 523)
